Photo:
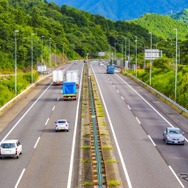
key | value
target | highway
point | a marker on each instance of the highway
(47, 159)
(137, 120)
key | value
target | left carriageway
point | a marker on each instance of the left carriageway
(48, 157)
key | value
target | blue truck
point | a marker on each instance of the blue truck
(69, 90)
(110, 69)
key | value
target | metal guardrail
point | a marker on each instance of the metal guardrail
(96, 139)
(160, 94)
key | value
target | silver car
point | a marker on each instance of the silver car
(62, 125)
(173, 135)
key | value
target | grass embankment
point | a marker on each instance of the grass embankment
(7, 85)
(110, 162)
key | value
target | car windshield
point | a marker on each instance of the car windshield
(174, 132)
(63, 121)
(8, 145)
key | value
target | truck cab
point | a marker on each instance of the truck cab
(110, 69)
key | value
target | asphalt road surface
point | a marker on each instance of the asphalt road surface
(48, 157)
(137, 120)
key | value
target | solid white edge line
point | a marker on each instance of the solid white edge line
(46, 121)
(26, 113)
(138, 120)
(21, 175)
(53, 108)
(147, 103)
(36, 143)
(176, 177)
(74, 137)
(115, 138)
(152, 140)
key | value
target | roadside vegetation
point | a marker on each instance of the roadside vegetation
(56, 34)
(163, 79)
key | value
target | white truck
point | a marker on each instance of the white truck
(57, 76)
(72, 76)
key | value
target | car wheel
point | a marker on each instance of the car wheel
(67, 130)
(166, 141)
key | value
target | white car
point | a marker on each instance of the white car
(62, 125)
(10, 148)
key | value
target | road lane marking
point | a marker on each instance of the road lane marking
(74, 138)
(152, 140)
(176, 177)
(46, 121)
(53, 108)
(117, 91)
(19, 179)
(129, 107)
(122, 98)
(147, 103)
(115, 138)
(138, 120)
(58, 98)
(36, 142)
(26, 113)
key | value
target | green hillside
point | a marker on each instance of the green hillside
(162, 26)
(68, 33)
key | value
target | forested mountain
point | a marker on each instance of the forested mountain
(126, 9)
(47, 29)
(181, 16)
(162, 26)
(76, 32)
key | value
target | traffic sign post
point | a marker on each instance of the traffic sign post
(152, 54)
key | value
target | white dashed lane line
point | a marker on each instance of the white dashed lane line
(36, 142)
(53, 108)
(138, 120)
(46, 121)
(129, 107)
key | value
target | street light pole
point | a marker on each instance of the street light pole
(55, 54)
(176, 67)
(15, 62)
(50, 44)
(136, 54)
(32, 57)
(42, 47)
(115, 51)
(150, 57)
(63, 52)
(125, 52)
